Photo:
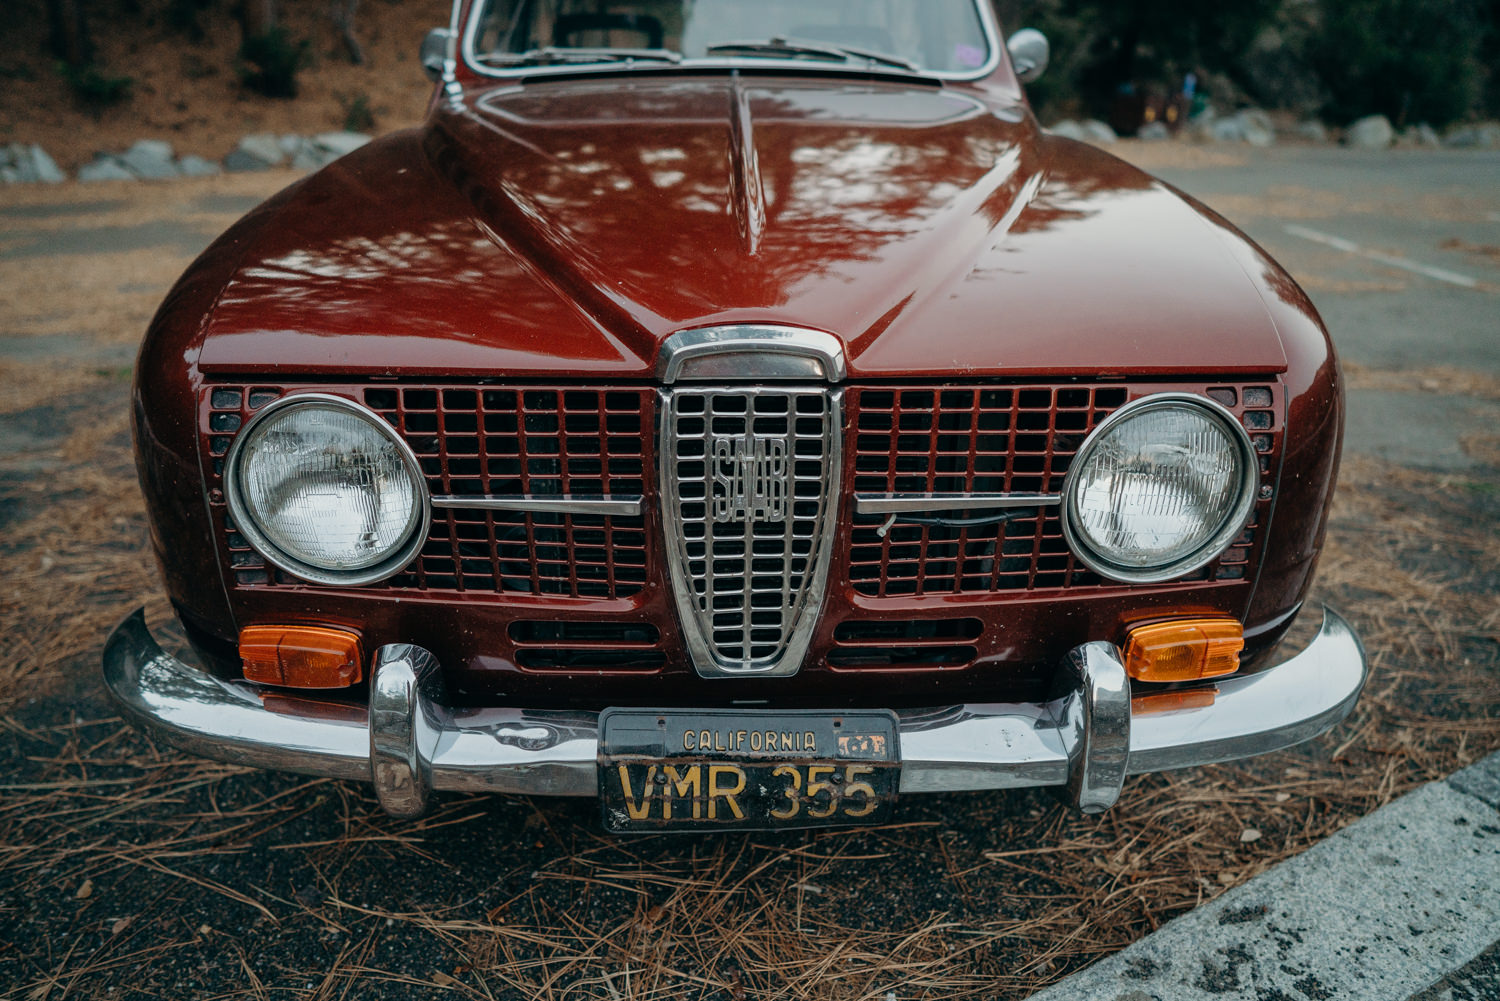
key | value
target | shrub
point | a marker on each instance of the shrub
(358, 115)
(1410, 60)
(272, 61)
(94, 89)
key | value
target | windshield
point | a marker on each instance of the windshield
(933, 36)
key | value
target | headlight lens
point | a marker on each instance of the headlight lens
(1159, 489)
(325, 490)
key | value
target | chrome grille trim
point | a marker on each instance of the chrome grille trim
(921, 503)
(566, 504)
(749, 585)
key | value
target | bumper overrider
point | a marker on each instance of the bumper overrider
(409, 743)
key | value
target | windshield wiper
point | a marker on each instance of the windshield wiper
(781, 46)
(553, 55)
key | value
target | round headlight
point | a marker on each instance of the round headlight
(1159, 489)
(325, 490)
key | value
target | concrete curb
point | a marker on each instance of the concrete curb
(1404, 902)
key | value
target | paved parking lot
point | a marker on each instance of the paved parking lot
(127, 870)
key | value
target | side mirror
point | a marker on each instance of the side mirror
(436, 51)
(1029, 52)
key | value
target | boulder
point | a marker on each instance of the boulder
(256, 152)
(46, 169)
(1227, 130)
(150, 159)
(1257, 127)
(1154, 132)
(1371, 132)
(1313, 131)
(1068, 129)
(1485, 135)
(28, 164)
(1418, 135)
(197, 166)
(340, 143)
(1095, 131)
(310, 157)
(104, 167)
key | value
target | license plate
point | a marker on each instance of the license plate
(716, 769)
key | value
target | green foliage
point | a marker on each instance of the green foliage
(358, 116)
(272, 61)
(95, 89)
(1410, 60)
(1102, 46)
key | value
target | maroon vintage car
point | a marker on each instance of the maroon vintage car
(740, 412)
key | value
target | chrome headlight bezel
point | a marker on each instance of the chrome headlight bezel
(1215, 544)
(245, 522)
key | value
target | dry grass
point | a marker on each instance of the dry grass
(965, 896)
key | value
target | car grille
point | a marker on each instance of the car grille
(994, 439)
(747, 603)
(473, 441)
(749, 486)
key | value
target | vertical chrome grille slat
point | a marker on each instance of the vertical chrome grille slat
(748, 503)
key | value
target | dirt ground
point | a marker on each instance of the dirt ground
(128, 870)
(187, 88)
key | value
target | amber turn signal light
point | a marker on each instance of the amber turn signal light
(1184, 650)
(301, 656)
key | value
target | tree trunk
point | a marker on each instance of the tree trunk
(69, 39)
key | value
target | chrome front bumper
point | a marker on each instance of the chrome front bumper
(408, 743)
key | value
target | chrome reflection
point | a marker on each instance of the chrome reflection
(418, 744)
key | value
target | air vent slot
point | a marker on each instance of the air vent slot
(921, 644)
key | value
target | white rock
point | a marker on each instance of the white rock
(1313, 131)
(46, 169)
(9, 174)
(310, 157)
(104, 168)
(1068, 129)
(1485, 135)
(1154, 131)
(1228, 130)
(290, 144)
(340, 143)
(1257, 127)
(1096, 131)
(1371, 132)
(160, 149)
(150, 159)
(262, 147)
(197, 166)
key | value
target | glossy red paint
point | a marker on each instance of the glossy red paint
(563, 228)
(570, 226)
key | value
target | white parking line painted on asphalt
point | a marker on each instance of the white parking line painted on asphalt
(1350, 247)
(1378, 912)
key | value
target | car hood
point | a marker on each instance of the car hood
(569, 227)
